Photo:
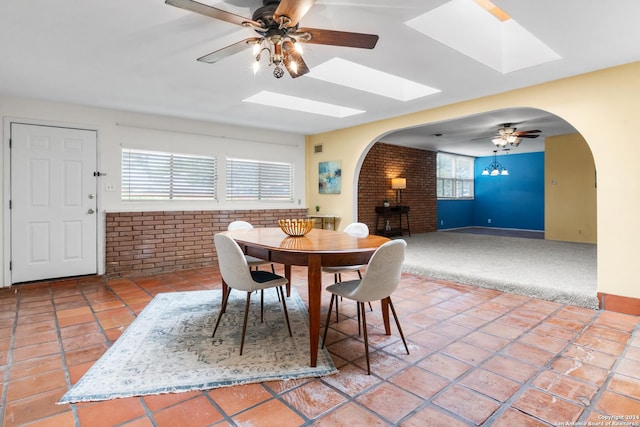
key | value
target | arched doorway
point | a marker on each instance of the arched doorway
(563, 198)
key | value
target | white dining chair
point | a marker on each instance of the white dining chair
(252, 261)
(378, 283)
(356, 229)
(236, 275)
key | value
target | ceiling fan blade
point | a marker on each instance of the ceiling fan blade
(524, 132)
(293, 56)
(229, 50)
(339, 38)
(528, 136)
(207, 10)
(294, 10)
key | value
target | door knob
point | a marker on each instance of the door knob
(91, 196)
(91, 211)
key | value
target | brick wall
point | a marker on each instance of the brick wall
(156, 242)
(385, 161)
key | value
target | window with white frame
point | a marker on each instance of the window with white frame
(454, 176)
(155, 175)
(255, 180)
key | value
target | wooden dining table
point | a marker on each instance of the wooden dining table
(318, 248)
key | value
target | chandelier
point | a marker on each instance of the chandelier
(495, 168)
(282, 48)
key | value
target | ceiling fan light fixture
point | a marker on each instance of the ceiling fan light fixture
(278, 72)
(499, 142)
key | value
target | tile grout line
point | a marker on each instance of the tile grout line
(63, 354)
(528, 384)
(612, 371)
(9, 364)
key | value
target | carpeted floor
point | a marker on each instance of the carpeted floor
(563, 272)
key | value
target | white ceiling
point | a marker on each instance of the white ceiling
(141, 56)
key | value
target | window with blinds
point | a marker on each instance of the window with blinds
(454, 176)
(153, 175)
(253, 180)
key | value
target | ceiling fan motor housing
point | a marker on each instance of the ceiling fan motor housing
(265, 14)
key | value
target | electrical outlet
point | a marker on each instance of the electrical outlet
(489, 221)
(109, 187)
(441, 222)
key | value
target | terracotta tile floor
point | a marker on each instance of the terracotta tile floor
(478, 357)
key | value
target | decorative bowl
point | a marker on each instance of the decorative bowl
(296, 227)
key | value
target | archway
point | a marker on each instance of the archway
(565, 181)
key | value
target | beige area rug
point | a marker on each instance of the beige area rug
(563, 272)
(168, 348)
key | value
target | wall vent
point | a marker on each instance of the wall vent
(317, 148)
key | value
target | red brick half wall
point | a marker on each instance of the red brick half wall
(163, 241)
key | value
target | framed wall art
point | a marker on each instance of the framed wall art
(329, 177)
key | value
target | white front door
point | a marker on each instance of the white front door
(53, 202)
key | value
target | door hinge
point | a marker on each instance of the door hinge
(99, 174)
(10, 142)
(10, 265)
(9, 204)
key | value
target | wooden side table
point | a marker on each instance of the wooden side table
(325, 221)
(390, 226)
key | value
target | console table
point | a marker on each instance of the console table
(325, 221)
(388, 216)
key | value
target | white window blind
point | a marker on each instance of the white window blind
(153, 175)
(251, 180)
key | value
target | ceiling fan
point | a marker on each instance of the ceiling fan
(509, 135)
(277, 22)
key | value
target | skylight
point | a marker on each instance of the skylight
(484, 32)
(278, 100)
(356, 76)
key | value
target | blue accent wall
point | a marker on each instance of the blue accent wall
(513, 201)
(455, 213)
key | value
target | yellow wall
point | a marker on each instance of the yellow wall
(602, 106)
(570, 190)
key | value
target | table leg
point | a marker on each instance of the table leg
(384, 305)
(314, 283)
(287, 274)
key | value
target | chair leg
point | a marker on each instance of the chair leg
(395, 316)
(366, 336)
(262, 305)
(326, 325)
(244, 324)
(284, 307)
(360, 277)
(358, 309)
(223, 307)
(336, 279)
